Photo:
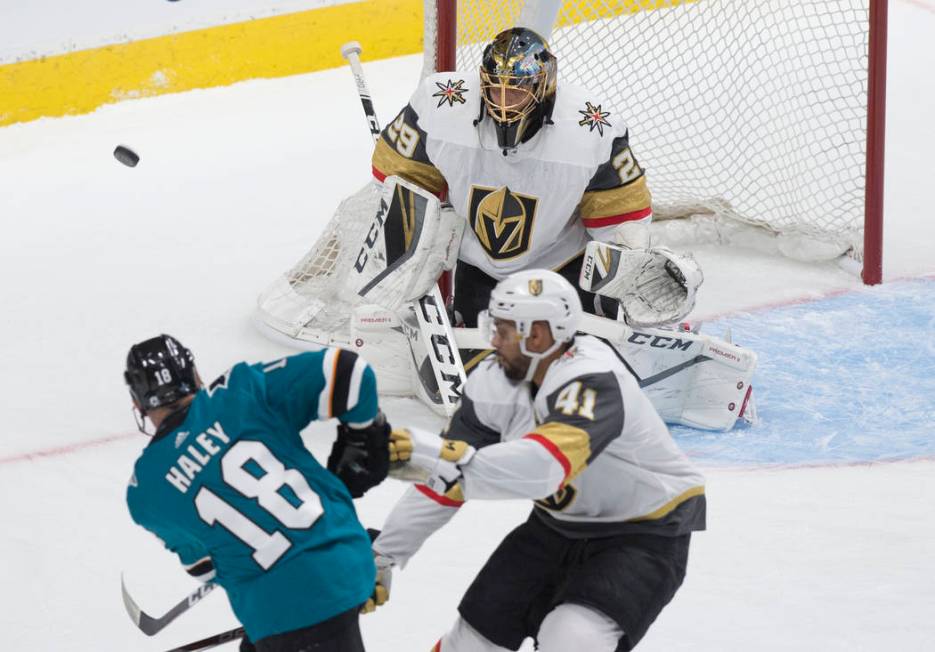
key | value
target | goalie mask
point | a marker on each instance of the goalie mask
(160, 371)
(518, 75)
(530, 296)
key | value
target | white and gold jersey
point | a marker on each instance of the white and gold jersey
(588, 448)
(533, 206)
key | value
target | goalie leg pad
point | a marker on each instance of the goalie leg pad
(691, 379)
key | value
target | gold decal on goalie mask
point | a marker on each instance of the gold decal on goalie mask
(535, 287)
(502, 220)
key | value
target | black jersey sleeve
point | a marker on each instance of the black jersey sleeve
(617, 192)
(585, 415)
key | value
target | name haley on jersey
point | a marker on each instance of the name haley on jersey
(533, 206)
(187, 466)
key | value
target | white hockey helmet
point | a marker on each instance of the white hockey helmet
(536, 295)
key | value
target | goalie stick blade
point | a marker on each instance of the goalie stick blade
(211, 641)
(151, 626)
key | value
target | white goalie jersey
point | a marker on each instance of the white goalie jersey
(536, 206)
(588, 448)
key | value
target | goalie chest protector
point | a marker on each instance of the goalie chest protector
(521, 205)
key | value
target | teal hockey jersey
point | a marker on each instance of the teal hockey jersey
(229, 481)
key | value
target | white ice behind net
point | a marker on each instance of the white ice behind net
(751, 110)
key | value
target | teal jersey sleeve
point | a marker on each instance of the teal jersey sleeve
(321, 385)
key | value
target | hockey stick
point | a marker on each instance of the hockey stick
(211, 641)
(443, 377)
(149, 625)
(351, 52)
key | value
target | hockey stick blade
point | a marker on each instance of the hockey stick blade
(211, 641)
(149, 625)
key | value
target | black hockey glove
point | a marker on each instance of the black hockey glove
(361, 457)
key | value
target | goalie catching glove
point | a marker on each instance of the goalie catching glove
(421, 456)
(360, 456)
(654, 286)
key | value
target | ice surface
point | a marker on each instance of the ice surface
(233, 186)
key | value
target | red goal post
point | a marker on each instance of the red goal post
(760, 113)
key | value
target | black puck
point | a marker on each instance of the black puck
(126, 156)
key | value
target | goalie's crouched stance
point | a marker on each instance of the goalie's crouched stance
(557, 418)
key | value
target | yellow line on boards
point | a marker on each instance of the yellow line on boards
(279, 46)
(290, 44)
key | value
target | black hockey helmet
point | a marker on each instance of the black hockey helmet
(160, 371)
(518, 75)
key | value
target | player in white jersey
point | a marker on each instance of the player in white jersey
(536, 169)
(557, 418)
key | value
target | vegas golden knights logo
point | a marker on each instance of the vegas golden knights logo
(535, 287)
(502, 220)
(559, 500)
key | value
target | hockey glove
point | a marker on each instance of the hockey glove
(360, 456)
(381, 589)
(421, 456)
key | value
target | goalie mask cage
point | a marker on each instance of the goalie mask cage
(759, 112)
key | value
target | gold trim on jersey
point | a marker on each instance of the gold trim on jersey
(573, 442)
(388, 161)
(669, 506)
(615, 201)
(475, 359)
(502, 221)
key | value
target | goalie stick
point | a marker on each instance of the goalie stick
(441, 373)
(149, 625)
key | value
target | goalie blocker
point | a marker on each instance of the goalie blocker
(376, 292)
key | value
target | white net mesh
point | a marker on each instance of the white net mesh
(311, 297)
(753, 110)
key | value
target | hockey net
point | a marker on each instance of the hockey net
(743, 112)
(750, 117)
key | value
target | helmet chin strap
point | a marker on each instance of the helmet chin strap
(536, 357)
(140, 417)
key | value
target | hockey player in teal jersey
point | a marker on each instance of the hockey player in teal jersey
(227, 484)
